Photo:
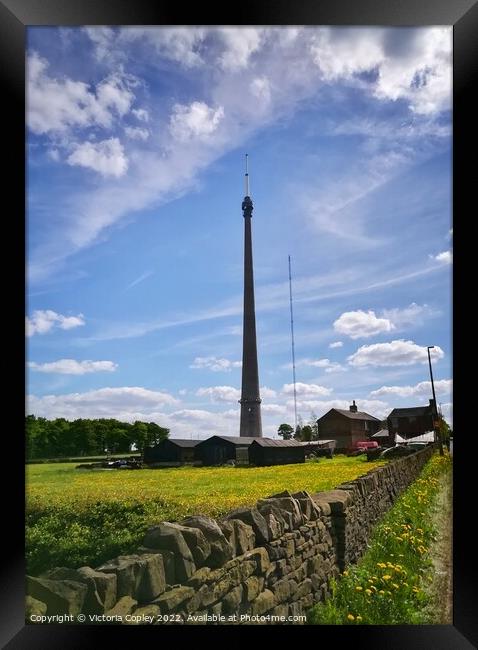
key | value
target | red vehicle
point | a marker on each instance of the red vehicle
(361, 446)
(366, 444)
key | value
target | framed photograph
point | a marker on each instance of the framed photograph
(238, 321)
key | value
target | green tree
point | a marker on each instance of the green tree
(285, 431)
(306, 433)
(139, 434)
(156, 433)
(314, 426)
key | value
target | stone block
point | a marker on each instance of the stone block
(59, 596)
(264, 602)
(252, 517)
(171, 600)
(232, 600)
(124, 606)
(221, 549)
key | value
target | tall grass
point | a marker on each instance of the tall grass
(388, 585)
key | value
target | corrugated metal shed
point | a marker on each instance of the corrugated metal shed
(275, 442)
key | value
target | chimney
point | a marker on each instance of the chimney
(353, 407)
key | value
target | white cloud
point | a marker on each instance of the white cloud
(180, 44)
(124, 403)
(422, 389)
(267, 393)
(156, 176)
(336, 344)
(377, 408)
(395, 353)
(137, 133)
(220, 393)
(240, 43)
(231, 394)
(306, 390)
(43, 321)
(215, 364)
(274, 409)
(446, 257)
(73, 367)
(106, 157)
(326, 364)
(57, 105)
(361, 324)
(346, 52)
(261, 89)
(194, 121)
(413, 65)
(412, 315)
(140, 114)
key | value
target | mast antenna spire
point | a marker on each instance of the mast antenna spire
(246, 175)
(293, 347)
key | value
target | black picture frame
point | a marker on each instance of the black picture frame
(15, 16)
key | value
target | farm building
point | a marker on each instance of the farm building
(217, 450)
(268, 451)
(411, 422)
(171, 451)
(319, 447)
(347, 427)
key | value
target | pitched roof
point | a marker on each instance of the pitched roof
(182, 442)
(275, 442)
(358, 415)
(414, 411)
(236, 440)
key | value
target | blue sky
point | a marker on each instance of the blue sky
(136, 143)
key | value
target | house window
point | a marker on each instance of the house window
(394, 422)
(412, 418)
(365, 425)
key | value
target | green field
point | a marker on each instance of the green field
(78, 517)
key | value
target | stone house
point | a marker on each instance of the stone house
(347, 427)
(411, 422)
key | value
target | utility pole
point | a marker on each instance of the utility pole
(293, 348)
(435, 411)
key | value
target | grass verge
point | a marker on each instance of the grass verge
(390, 584)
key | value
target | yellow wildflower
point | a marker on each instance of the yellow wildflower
(368, 592)
(359, 618)
(358, 588)
(351, 617)
(386, 577)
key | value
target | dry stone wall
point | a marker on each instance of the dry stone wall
(272, 561)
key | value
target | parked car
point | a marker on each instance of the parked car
(361, 447)
(417, 445)
(397, 452)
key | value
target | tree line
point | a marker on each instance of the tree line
(303, 432)
(84, 437)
